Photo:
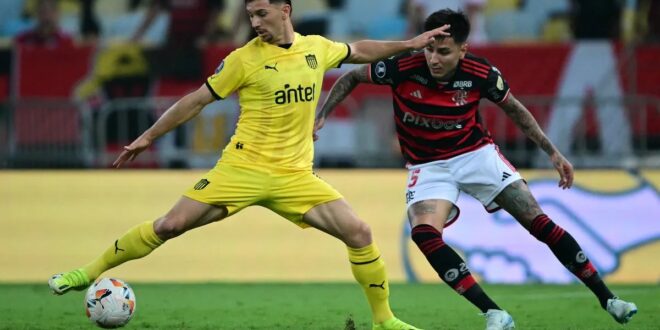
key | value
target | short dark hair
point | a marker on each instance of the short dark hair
(459, 24)
(288, 2)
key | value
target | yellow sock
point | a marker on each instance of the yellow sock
(136, 243)
(369, 270)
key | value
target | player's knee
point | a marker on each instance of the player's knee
(169, 227)
(359, 234)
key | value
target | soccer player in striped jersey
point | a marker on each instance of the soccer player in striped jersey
(278, 77)
(436, 96)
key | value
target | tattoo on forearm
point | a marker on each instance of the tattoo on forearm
(524, 119)
(343, 87)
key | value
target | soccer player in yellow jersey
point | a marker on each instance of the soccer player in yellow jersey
(278, 77)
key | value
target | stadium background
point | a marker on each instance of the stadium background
(65, 111)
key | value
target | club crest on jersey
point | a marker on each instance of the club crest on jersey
(202, 184)
(311, 61)
(460, 97)
(463, 84)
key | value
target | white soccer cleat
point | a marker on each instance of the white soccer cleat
(621, 311)
(498, 320)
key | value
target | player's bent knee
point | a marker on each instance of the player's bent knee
(169, 227)
(217, 213)
(359, 235)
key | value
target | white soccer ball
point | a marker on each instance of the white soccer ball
(110, 303)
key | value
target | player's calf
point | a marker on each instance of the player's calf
(451, 268)
(570, 254)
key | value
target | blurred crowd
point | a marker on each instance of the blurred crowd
(198, 22)
(174, 31)
(161, 47)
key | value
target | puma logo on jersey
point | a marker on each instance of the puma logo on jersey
(274, 67)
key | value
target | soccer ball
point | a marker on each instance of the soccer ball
(110, 303)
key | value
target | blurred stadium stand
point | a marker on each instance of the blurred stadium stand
(43, 124)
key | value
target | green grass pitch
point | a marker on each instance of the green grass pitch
(325, 306)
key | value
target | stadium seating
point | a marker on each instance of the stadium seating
(44, 118)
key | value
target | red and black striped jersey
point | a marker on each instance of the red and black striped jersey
(435, 120)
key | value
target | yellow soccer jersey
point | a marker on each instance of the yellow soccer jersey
(278, 91)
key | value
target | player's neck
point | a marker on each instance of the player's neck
(446, 78)
(287, 37)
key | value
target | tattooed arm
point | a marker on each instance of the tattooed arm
(526, 122)
(342, 87)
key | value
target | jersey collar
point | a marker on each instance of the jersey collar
(296, 37)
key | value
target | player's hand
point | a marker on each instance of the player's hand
(131, 151)
(428, 37)
(565, 169)
(318, 124)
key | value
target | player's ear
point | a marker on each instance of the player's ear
(463, 49)
(286, 11)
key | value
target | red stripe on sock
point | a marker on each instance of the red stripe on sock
(465, 284)
(425, 229)
(586, 272)
(539, 223)
(553, 235)
(557, 236)
(431, 246)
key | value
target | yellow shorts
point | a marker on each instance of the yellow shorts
(288, 193)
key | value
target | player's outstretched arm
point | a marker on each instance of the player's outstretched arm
(526, 122)
(367, 51)
(342, 87)
(180, 112)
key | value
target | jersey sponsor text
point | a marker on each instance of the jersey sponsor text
(295, 95)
